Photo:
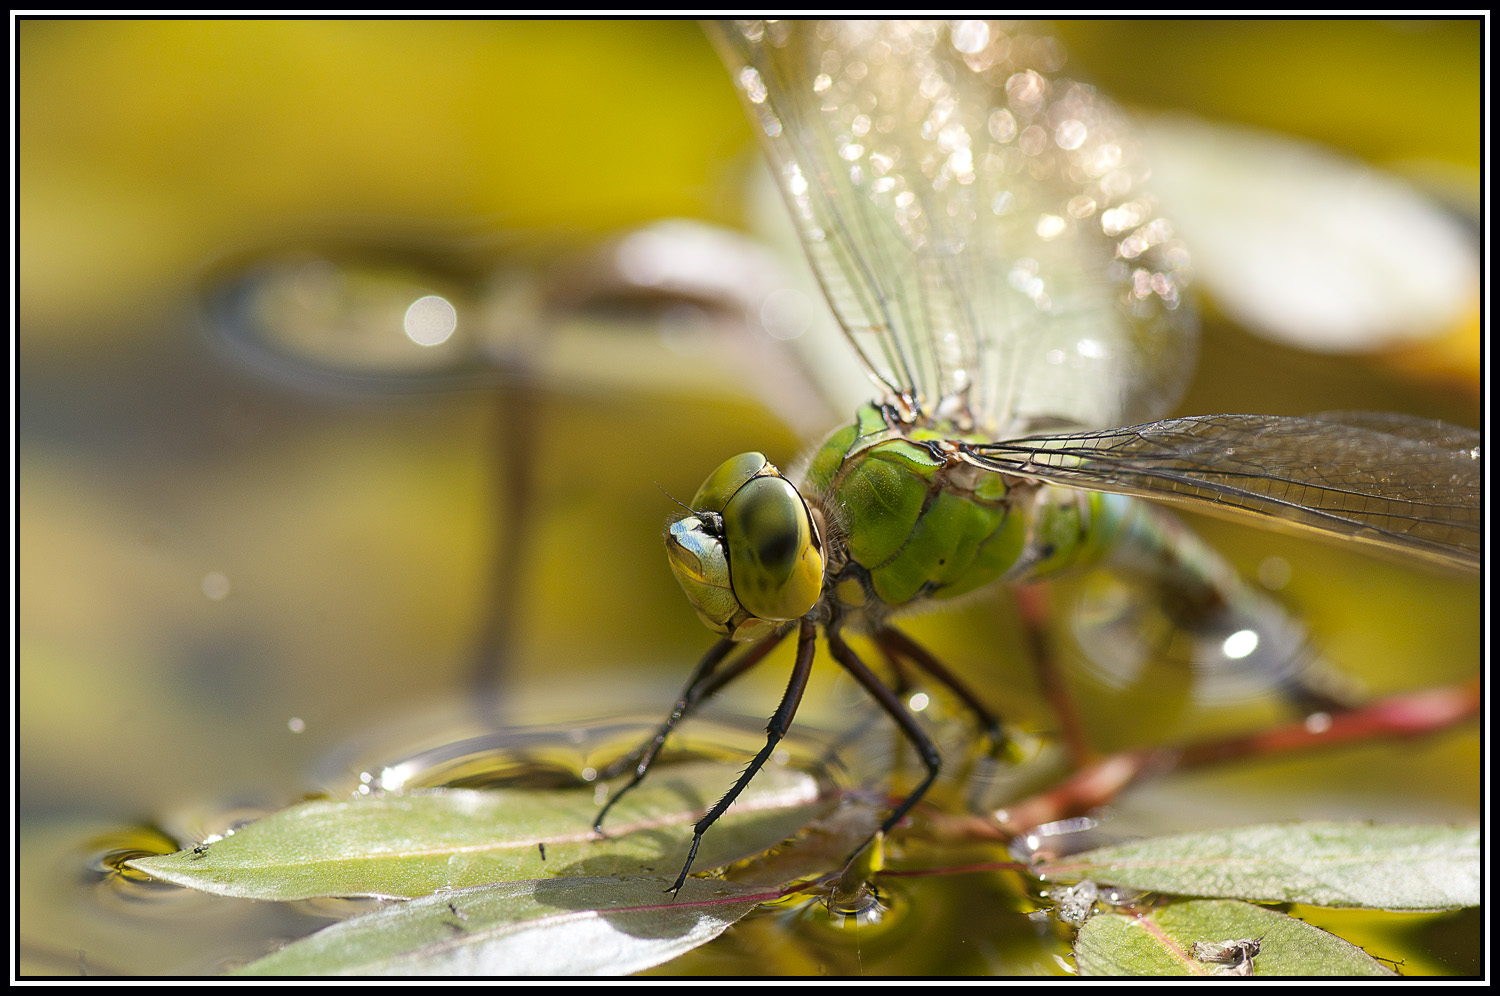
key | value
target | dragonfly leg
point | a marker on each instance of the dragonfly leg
(926, 749)
(897, 645)
(705, 680)
(900, 682)
(1033, 608)
(757, 653)
(781, 720)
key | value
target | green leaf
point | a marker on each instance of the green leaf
(823, 845)
(582, 926)
(1322, 864)
(1162, 943)
(416, 843)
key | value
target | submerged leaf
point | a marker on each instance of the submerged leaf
(581, 926)
(1322, 864)
(417, 843)
(1190, 938)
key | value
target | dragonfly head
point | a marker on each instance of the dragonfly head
(750, 555)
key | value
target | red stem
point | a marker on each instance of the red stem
(1406, 715)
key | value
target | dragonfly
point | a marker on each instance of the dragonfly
(983, 230)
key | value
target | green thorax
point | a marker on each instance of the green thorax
(909, 519)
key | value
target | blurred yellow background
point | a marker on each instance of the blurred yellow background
(206, 556)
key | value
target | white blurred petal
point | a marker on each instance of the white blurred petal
(1308, 247)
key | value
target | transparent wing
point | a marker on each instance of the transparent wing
(978, 223)
(1410, 485)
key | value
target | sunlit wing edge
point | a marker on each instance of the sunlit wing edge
(1182, 461)
(788, 139)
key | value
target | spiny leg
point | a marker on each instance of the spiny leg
(703, 683)
(897, 645)
(757, 653)
(781, 720)
(867, 720)
(900, 683)
(1033, 608)
(928, 751)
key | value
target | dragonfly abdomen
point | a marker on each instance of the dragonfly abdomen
(1184, 605)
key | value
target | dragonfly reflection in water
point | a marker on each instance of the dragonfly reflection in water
(982, 230)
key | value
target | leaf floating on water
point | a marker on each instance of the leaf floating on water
(417, 843)
(578, 926)
(1163, 942)
(821, 846)
(1234, 957)
(1321, 864)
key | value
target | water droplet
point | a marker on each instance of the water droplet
(430, 320)
(970, 37)
(1071, 134)
(1241, 644)
(1274, 573)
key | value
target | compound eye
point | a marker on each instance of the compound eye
(700, 565)
(775, 558)
(727, 478)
